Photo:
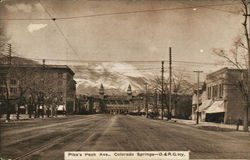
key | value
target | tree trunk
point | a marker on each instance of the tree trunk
(245, 123)
(43, 111)
(18, 112)
(8, 110)
(36, 113)
(8, 102)
(48, 110)
(30, 110)
(56, 110)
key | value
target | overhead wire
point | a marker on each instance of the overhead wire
(60, 30)
(175, 62)
(120, 13)
(216, 9)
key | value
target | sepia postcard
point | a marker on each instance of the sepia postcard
(124, 79)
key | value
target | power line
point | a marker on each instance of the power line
(127, 61)
(122, 69)
(60, 30)
(141, 11)
(176, 63)
(191, 62)
(120, 13)
(221, 10)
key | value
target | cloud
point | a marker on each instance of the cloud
(122, 68)
(153, 48)
(35, 27)
(19, 7)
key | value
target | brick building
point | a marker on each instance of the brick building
(224, 101)
(53, 82)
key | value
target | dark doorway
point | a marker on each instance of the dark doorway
(215, 117)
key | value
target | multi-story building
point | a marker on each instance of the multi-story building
(202, 98)
(53, 82)
(224, 100)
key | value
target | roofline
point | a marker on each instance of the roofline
(220, 70)
(224, 69)
(40, 65)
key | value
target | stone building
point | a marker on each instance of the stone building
(202, 98)
(224, 101)
(46, 83)
(114, 103)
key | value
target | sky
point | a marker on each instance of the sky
(86, 31)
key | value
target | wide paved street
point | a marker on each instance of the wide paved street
(49, 138)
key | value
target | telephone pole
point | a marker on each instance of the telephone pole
(197, 101)
(146, 98)
(170, 84)
(6, 85)
(247, 30)
(245, 125)
(156, 99)
(162, 89)
(10, 53)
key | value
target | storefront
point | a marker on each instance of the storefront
(216, 112)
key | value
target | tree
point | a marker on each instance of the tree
(239, 57)
(180, 86)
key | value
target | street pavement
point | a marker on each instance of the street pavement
(48, 139)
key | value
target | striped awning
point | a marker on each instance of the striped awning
(205, 104)
(216, 107)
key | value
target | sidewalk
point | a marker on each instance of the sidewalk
(208, 125)
(25, 117)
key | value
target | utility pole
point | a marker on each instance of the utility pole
(146, 98)
(43, 95)
(10, 53)
(247, 30)
(248, 82)
(162, 89)
(156, 99)
(43, 63)
(170, 84)
(6, 84)
(197, 101)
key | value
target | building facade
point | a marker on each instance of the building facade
(45, 83)
(224, 100)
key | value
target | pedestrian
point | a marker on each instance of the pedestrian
(239, 122)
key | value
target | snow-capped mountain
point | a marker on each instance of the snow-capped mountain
(115, 78)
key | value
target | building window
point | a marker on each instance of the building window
(13, 82)
(60, 83)
(221, 90)
(60, 75)
(209, 92)
(215, 91)
(2, 81)
(13, 90)
(60, 94)
(2, 90)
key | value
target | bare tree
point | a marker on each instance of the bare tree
(180, 85)
(239, 57)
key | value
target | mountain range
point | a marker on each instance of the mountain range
(115, 77)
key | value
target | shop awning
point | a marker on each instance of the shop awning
(205, 104)
(216, 107)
